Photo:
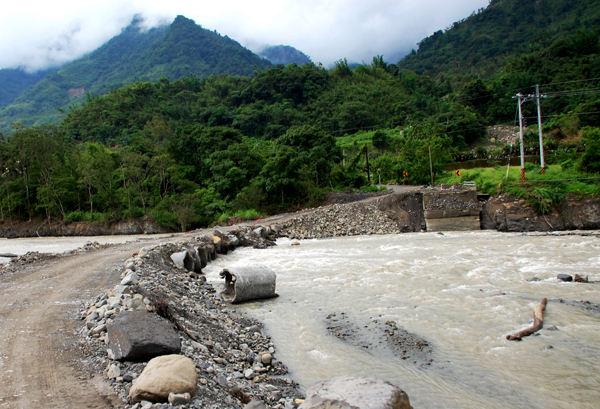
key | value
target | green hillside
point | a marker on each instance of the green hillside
(193, 150)
(14, 81)
(171, 52)
(480, 45)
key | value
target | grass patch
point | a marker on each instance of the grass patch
(241, 215)
(96, 217)
(541, 191)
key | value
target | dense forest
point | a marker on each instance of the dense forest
(190, 151)
(480, 45)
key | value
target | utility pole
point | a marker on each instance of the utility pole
(521, 99)
(367, 159)
(539, 112)
(430, 166)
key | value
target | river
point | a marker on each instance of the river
(62, 244)
(461, 292)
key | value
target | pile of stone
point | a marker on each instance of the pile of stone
(205, 355)
(341, 220)
(350, 196)
(450, 202)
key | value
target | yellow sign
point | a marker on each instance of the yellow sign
(405, 174)
(457, 172)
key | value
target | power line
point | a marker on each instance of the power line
(569, 82)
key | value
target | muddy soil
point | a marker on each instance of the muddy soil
(382, 339)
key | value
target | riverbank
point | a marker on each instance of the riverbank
(360, 213)
(44, 228)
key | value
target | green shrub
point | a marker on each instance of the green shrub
(542, 199)
(164, 218)
(75, 216)
(133, 212)
(96, 217)
(372, 188)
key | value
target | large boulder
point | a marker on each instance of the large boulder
(352, 392)
(138, 336)
(164, 375)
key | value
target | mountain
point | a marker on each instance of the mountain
(284, 54)
(14, 81)
(481, 44)
(171, 51)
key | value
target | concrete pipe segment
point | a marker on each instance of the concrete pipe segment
(248, 283)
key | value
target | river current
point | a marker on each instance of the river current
(461, 292)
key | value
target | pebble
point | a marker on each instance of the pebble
(179, 399)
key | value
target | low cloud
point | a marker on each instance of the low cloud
(36, 35)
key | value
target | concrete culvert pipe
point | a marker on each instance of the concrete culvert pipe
(248, 283)
(184, 259)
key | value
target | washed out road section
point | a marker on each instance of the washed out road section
(38, 320)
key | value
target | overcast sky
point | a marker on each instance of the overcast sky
(36, 34)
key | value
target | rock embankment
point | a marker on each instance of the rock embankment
(234, 360)
(341, 220)
(389, 214)
(507, 213)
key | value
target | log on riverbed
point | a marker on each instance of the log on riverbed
(538, 322)
(8, 255)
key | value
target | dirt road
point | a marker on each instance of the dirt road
(38, 320)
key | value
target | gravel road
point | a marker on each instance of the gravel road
(38, 320)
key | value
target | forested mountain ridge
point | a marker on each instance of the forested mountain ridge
(284, 54)
(480, 45)
(180, 49)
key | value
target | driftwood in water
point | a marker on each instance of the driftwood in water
(538, 322)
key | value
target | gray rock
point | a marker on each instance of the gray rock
(248, 373)
(351, 392)
(136, 336)
(565, 277)
(144, 251)
(222, 380)
(130, 279)
(176, 399)
(99, 329)
(136, 304)
(113, 371)
(92, 317)
(114, 302)
(266, 359)
(255, 404)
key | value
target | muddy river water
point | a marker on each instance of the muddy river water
(461, 292)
